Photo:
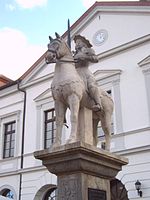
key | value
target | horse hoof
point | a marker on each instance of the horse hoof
(56, 144)
(71, 140)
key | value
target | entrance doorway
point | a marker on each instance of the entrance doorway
(118, 190)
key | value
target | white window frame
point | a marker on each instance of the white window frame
(45, 102)
(41, 107)
(146, 73)
(111, 81)
(4, 119)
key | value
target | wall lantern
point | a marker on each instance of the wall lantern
(138, 187)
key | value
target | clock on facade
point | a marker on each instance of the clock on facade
(100, 37)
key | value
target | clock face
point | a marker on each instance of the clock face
(100, 37)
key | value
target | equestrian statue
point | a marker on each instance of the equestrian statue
(74, 87)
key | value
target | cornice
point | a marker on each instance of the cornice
(15, 113)
(136, 150)
(131, 132)
(111, 72)
(37, 81)
(146, 71)
(25, 170)
(144, 62)
(127, 6)
(8, 90)
(124, 47)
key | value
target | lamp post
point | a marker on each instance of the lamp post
(138, 187)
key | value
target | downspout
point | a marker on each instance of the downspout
(23, 133)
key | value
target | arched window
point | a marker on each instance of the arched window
(7, 193)
(51, 194)
(118, 190)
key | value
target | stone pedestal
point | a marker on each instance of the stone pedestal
(85, 126)
(84, 171)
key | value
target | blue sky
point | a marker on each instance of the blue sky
(37, 22)
(25, 26)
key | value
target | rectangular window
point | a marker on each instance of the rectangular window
(9, 139)
(50, 128)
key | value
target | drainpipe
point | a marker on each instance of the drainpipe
(23, 132)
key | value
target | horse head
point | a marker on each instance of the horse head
(57, 49)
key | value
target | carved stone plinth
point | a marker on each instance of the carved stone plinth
(83, 171)
(85, 126)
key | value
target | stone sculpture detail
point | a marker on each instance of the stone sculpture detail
(69, 189)
(73, 91)
(83, 55)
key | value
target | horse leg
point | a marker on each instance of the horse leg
(74, 102)
(60, 110)
(106, 126)
(95, 124)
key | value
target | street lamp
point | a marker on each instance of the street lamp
(138, 187)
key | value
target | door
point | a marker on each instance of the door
(118, 190)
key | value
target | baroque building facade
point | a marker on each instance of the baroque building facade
(120, 34)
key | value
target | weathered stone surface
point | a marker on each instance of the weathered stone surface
(81, 157)
(80, 166)
(83, 170)
(85, 126)
(74, 87)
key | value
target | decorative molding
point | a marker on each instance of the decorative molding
(37, 81)
(44, 95)
(15, 114)
(44, 101)
(124, 47)
(118, 106)
(100, 74)
(38, 67)
(116, 82)
(12, 104)
(145, 61)
(8, 90)
(145, 64)
(104, 77)
(111, 79)
(132, 132)
(111, 7)
(133, 150)
(146, 71)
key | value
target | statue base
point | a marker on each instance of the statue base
(83, 171)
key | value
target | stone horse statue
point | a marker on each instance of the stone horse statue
(68, 90)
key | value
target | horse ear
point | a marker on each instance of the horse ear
(50, 38)
(57, 35)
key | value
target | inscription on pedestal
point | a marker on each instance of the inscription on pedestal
(95, 194)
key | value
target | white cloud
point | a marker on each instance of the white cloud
(31, 3)
(88, 3)
(16, 54)
(10, 7)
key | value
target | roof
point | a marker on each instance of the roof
(32, 67)
(88, 12)
(108, 4)
(4, 80)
